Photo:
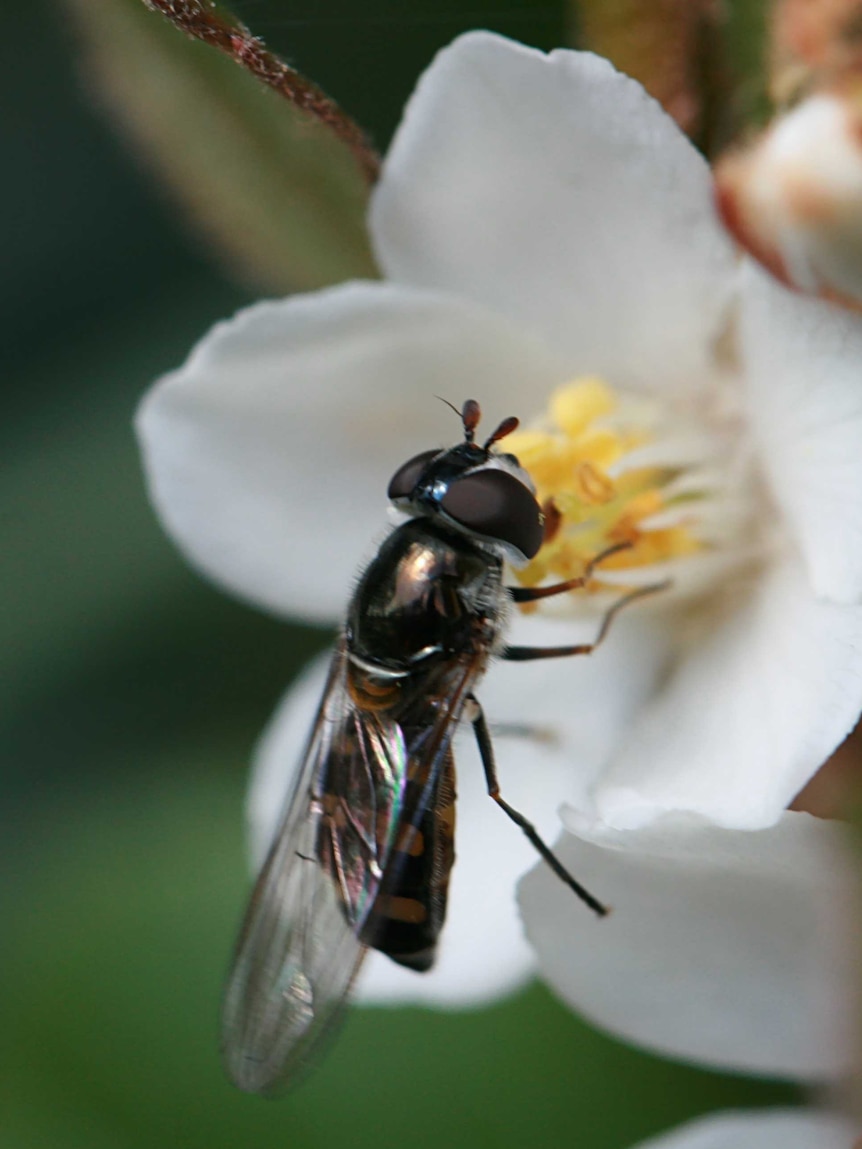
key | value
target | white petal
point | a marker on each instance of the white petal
(804, 365)
(268, 453)
(722, 946)
(760, 1129)
(763, 692)
(578, 706)
(554, 189)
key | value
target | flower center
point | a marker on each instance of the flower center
(612, 468)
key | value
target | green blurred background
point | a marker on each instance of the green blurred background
(133, 692)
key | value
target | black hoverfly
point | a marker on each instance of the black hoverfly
(364, 848)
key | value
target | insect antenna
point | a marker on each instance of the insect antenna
(470, 415)
(506, 428)
(451, 406)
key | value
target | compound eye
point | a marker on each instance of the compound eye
(495, 504)
(403, 482)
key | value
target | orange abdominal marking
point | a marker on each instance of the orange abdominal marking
(411, 842)
(370, 693)
(402, 910)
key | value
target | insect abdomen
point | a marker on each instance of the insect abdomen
(409, 912)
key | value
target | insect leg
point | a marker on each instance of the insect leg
(544, 734)
(528, 653)
(533, 593)
(486, 752)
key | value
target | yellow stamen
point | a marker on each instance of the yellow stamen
(576, 458)
(574, 407)
(594, 486)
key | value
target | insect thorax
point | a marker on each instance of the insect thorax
(428, 591)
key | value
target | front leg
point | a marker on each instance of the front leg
(529, 653)
(534, 593)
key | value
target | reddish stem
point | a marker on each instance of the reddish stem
(200, 21)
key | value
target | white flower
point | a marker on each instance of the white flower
(541, 221)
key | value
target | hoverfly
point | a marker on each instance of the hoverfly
(364, 848)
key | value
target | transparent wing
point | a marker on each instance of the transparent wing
(363, 787)
(298, 950)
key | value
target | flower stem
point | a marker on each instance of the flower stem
(200, 20)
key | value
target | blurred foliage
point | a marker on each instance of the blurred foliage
(122, 966)
(133, 693)
(746, 35)
(277, 192)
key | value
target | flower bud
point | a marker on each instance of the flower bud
(794, 198)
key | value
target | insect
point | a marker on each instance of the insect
(364, 848)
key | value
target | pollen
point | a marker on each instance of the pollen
(583, 458)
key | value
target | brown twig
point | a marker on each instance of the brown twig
(200, 20)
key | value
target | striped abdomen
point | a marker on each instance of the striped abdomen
(409, 912)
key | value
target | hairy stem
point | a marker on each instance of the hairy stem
(200, 20)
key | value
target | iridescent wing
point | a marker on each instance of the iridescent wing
(363, 787)
(298, 949)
